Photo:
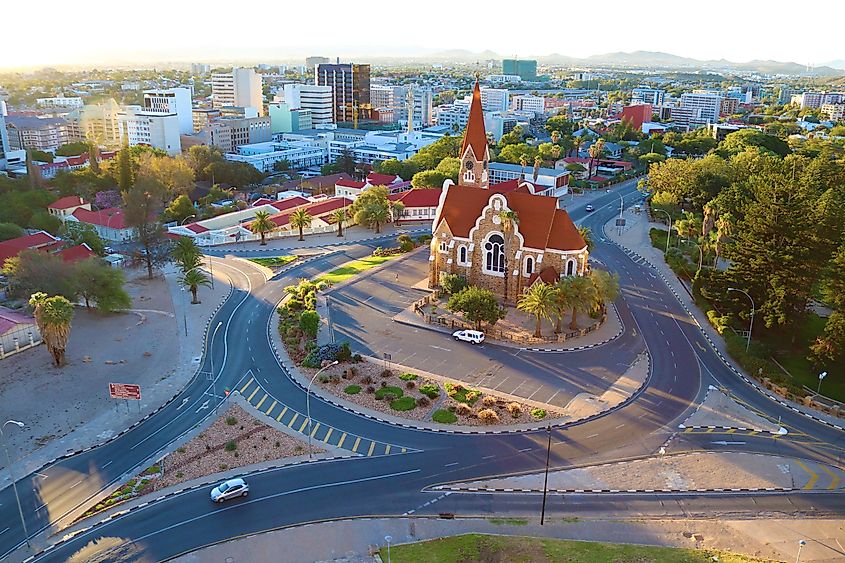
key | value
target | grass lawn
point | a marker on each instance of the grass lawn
(478, 547)
(274, 261)
(354, 268)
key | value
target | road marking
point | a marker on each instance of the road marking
(293, 419)
(261, 402)
(281, 414)
(75, 484)
(833, 476)
(248, 383)
(304, 424)
(440, 348)
(523, 450)
(271, 407)
(253, 394)
(451, 464)
(813, 475)
(355, 446)
(106, 464)
(592, 436)
(387, 449)
(404, 450)
(328, 434)
(372, 447)
(620, 426)
(340, 442)
(185, 400)
(203, 406)
(488, 457)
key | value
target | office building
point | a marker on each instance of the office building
(312, 62)
(318, 100)
(382, 96)
(729, 106)
(241, 87)
(155, 129)
(652, 96)
(264, 156)
(494, 99)
(454, 115)
(200, 69)
(202, 117)
(99, 122)
(637, 115)
(59, 102)
(709, 103)
(39, 133)
(834, 112)
(526, 70)
(171, 101)
(285, 119)
(350, 84)
(528, 103)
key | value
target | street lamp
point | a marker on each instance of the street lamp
(308, 403)
(14, 485)
(184, 310)
(751, 323)
(182, 222)
(388, 539)
(801, 543)
(700, 257)
(211, 355)
(546, 476)
(669, 234)
(822, 375)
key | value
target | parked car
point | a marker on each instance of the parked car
(471, 336)
(590, 208)
(229, 489)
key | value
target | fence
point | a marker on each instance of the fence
(492, 332)
(218, 239)
(18, 340)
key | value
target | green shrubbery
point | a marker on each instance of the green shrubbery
(430, 389)
(352, 390)
(444, 416)
(405, 403)
(389, 390)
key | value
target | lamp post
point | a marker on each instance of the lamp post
(11, 475)
(182, 222)
(669, 234)
(751, 323)
(801, 543)
(546, 477)
(822, 375)
(211, 355)
(700, 256)
(184, 310)
(388, 539)
(308, 403)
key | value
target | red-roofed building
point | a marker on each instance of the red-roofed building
(320, 212)
(76, 253)
(109, 223)
(637, 115)
(347, 187)
(65, 206)
(376, 179)
(17, 332)
(41, 240)
(419, 205)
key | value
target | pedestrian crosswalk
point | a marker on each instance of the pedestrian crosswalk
(319, 432)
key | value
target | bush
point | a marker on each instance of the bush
(406, 244)
(488, 401)
(319, 354)
(309, 322)
(515, 409)
(488, 416)
(422, 239)
(405, 403)
(352, 390)
(539, 413)
(386, 373)
(408, 376)
(423, 401)
(453, 283)
(344, 354)
(367, 379)
(371, 389)
(410, 384)
(231, 420)
(231, 446)
(443, 417)
(430, 390)
(389, 397)
(357, 358)
(720, 323)
(395, 391)
(463, 409)
(324, 378)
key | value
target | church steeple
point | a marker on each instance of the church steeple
(474, 152)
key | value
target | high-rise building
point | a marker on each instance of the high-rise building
(494, 99)
(526, 70)
(156, 129)
(171, 100)
(382, 96)
(527, 102)
(650, 96)
(834, 112)
(455, 115)
(729, 106)
(350, 84)
(312, 62)
(39, 133)
(4, 142)
(709, 103)
(285, 119)
(99, 123)
(200, 69)
(318, 100)
(241, 87)
(203, 116)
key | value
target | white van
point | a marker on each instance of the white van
(471, 336)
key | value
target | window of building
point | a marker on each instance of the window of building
(529, 265)
(570, 267)
(462, 254)
(444, 246)
(469, 176)
(494, 255)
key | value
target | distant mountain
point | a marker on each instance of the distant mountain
(839, 64)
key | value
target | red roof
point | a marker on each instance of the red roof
(262, 201)
(196, 228)
(327, 206)
(541, 224)
(599, 179)
(75, 253)
(476, 136)
(10, 319)
(376, 179)
(39, 241)
(111, 217)
(289, 203)
(547, 275)
(418, 198)
(350, 183)
(512, 185)
(67, 202)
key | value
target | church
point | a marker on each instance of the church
(489, 233)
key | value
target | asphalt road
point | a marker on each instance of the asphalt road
(682, 367)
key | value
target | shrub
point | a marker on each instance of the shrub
(423, 401)
(443, 417)
(395, 391)
(405, 403)
(383, 384)
(353, 371)
(319, 354)
(422, 239)
(223, 466)
(430, 389)
(488, 401)
(344, 354)
(405, 243)
(408, 376)
(515, 409)
(180, 449)
(410, 384)
(367, 379)
(231, 420)
(539, 413)
(352, 390)
(324, 378)
(720, 323)
(179, 474)
(371, 389)
(463, 409)
(453, 283)
(231, 446)
(488, 416)
(357, 358)
(386, 373)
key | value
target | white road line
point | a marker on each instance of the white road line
(525, 450)
(75, 484)
(450, 464)
(501, 382)
(620, 426)
(488, 457)
(592, 436)
(440, 348)
(4, 531)
(106, 464)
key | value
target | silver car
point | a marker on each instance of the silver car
(229, 489)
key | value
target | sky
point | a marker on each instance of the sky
(121, 32)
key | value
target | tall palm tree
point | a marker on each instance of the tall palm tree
(300, 219)
(606, 287)
(192, 279)
(596, 150)
(537, 162)
(373, 215)
(186, 253)
(555, 137)
(523, 161)
(556, 152)
(339, 216)
(578, 293)
(724, 228)
(587, 235)
(577, 141)
(53, 316)
(509, 221)
(538, 300)
(262, 225)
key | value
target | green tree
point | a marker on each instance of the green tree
(181, 208)
(262, 225)
(141, 205)
(515, 154)
(538, 300)
(509, 221)
(453, 283)
(339, 216)
(239, 174)
(125, 171)
(738, 141)
(513, 137)
(477, 305)
(428, 179)
(579, 294)
(53, 316)
(43, 220)
(10, 231)
(200, 157)
(41, 156)
(174, 174)
(606, 287)
(83, 233)
(32, 271)
(372, 208)
(309, 322)
(72, 149)
(186, 253)
(560, 124)
(449, 167)
(587, 235)
(102, 284)
(192, 280)
(431, 155)
(300, 219)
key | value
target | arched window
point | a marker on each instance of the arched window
(462, 254)
(529, 265)
(469, 176)
(494, 255)
(570, 268)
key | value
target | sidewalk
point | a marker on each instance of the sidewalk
(354, 540)
(105, 419)
(635, 240)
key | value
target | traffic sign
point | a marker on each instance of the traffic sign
(125, 391)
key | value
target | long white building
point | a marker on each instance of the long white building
(495, 99)
(59, 102)
(710, 105)
(172, 101)
(239, 88)
(159, 130)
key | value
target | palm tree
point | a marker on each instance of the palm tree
(395, 208)
(300, 219)
(596, 150)
(262, 225)
(339, 216)
(563, 302)
(53, 316)
(373, 215)
(577, 141)
(186, 253)
(587, 235)
(538, 300)
(192, 279)
(556, 152)
(509, 219)
(606, 286)
(523, 161)
(555, 137)
(724, 228)
(537, 162)
(579, 294)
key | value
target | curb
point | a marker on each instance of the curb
(616, 491)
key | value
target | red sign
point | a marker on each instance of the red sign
(125, 391)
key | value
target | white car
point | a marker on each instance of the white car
(590, 208)
(229, 489)
(471, 336)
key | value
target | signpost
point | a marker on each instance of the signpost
(127, 392)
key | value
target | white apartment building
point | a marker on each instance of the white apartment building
(264, 156)
(317, 99)
(382, 96)
(240, 88)
(59, 102)
(503, 78)
(453, 115)
(650, 96)
(710, 105)
(159, 130)
(495, 99)
(40, 133)
(535, 104)
(100, 123)
(834, 112)
(172, 101)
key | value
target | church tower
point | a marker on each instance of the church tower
(475, 155)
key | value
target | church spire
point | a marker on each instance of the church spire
(474, 152)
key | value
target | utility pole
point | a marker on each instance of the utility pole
(546, 477)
